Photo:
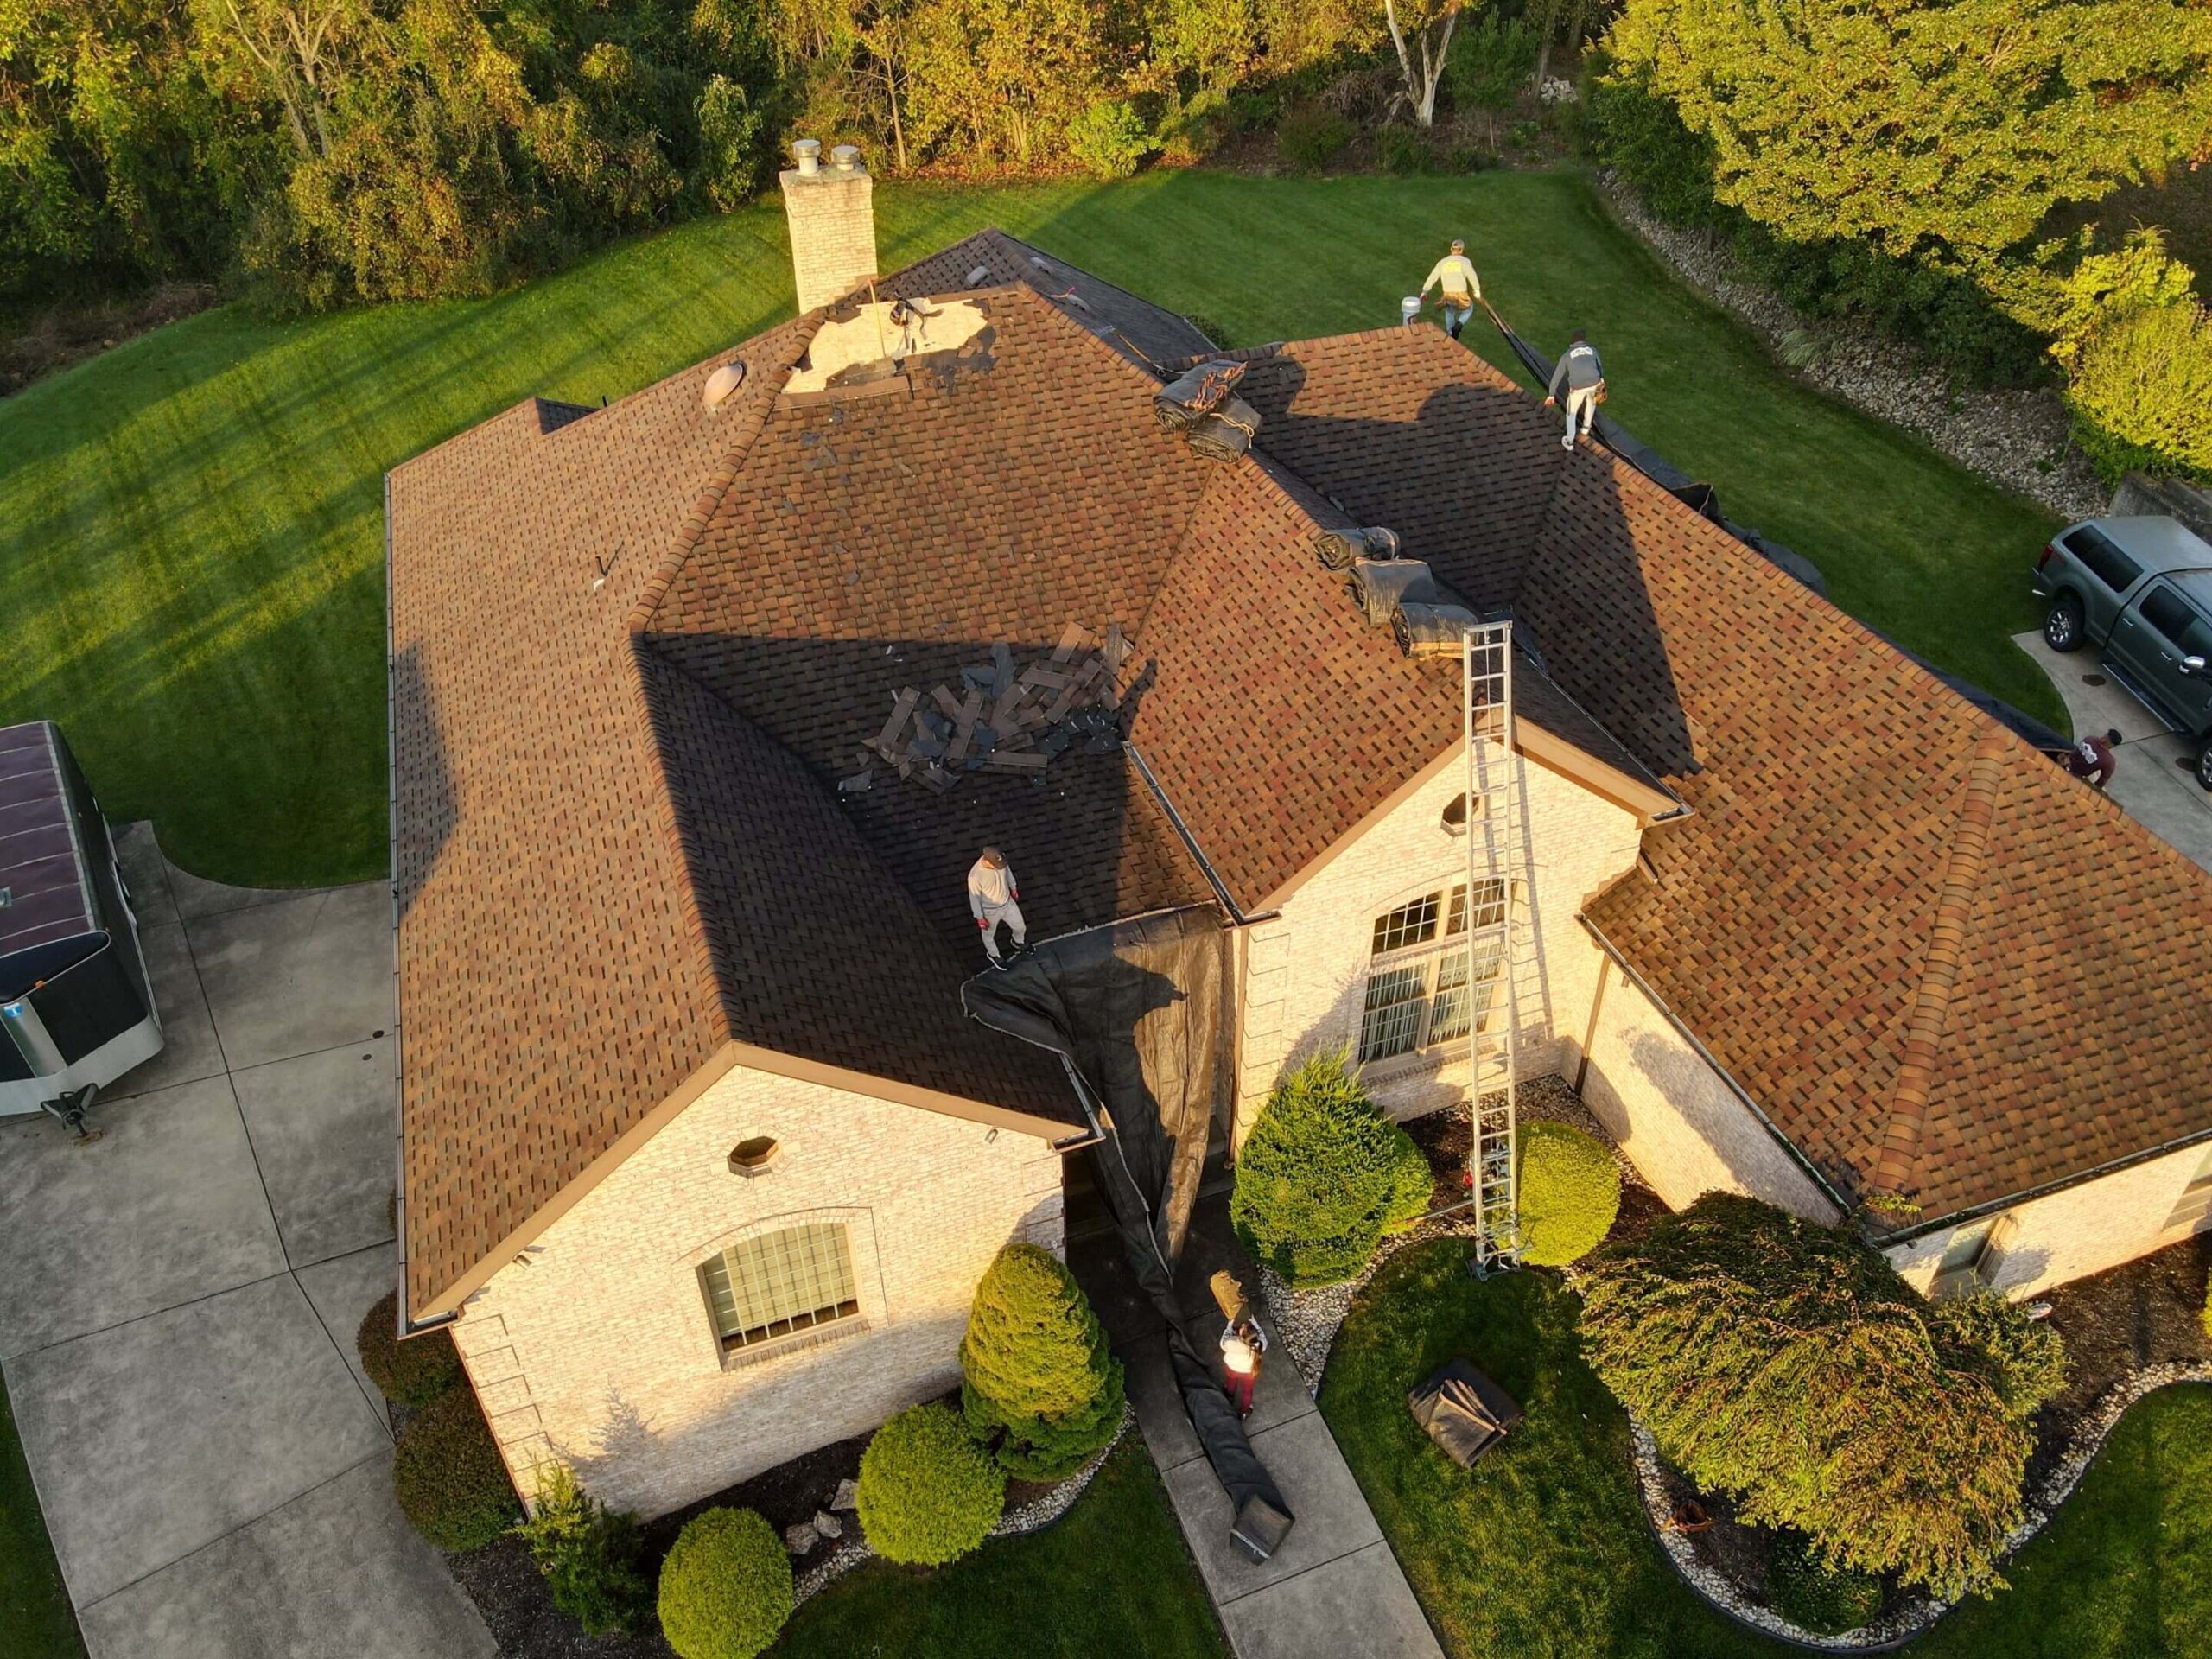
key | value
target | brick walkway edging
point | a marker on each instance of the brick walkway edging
(1920, 1613)
(1031, 1517)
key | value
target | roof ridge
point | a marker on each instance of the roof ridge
(750, 424)
(1946, 958)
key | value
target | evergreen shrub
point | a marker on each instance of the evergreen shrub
(2140, 388)
(409, 1373)
(1038, 1382)
(448, 1476)
(1813, 1596)
(928, 1494)
(1570, 1192)
(588, 1554)
(1323, 1175)
(1788, 1365)
(726, 1587)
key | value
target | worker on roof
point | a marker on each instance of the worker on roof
(1582, 377)
(994, 898)
(2093, 760)
(1458, 288)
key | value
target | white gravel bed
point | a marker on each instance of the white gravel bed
(2018, 441)
(1034, 1517)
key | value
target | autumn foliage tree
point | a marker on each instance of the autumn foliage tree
(1789, 1366)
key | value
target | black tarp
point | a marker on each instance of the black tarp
(1463, 1411)
(1136, 1010)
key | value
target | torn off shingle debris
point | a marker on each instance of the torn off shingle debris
(1004, 717)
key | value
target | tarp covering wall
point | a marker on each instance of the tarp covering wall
(1137, 1009)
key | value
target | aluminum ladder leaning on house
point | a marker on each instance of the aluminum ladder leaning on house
(1493, 881)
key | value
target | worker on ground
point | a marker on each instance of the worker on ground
(1582, 377)
(1458, 286)
(2093, 759)
(1242, 1342)
(992, 897)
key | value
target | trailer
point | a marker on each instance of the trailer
(76, 1005)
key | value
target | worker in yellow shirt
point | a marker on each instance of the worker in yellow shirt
(1459, 288)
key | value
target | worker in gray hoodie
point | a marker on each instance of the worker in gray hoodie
(1583, 378)
(992, 897)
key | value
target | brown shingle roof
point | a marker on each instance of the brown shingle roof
(620, 803)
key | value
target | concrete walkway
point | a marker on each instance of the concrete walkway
(178, 1301)
(1334, 1589)
(2151, 784)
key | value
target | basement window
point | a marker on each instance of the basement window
(1972, 1258)
(1422, 989)
(781, 1285)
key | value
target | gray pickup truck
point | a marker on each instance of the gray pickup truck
(2140, 589)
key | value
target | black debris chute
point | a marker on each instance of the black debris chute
(1136, 1012)
(1463, 1411)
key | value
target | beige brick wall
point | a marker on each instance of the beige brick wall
(1306, 971)
(2077, 1231)
(1685, 1130)
(601, 1351)
(832, 216)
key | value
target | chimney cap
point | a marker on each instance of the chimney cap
(809, 152)
(846, 158)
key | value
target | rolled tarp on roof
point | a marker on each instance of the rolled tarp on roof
(1137, 1010)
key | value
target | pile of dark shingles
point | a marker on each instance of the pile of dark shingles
(1003, 718)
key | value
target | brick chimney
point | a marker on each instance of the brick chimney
(832, 213)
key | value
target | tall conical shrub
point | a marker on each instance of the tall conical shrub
(1038, 1382)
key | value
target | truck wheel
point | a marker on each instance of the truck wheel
(2204, 765)
(2061, 624)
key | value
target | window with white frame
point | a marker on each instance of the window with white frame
(1418, 993)
(781, 1284)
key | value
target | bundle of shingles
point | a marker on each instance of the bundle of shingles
(1425, 617)
(1004, 718)
(1201, 403)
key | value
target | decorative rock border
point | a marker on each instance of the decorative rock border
(2019, 441)
(1034, 1517)
(1917, 1613)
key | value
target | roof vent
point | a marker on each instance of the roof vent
(978, 277)
(722, 382)
(846, 158)
(809, 152)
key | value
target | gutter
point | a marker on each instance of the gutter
(1975, 1213)
(1845, 1207)
(1205, 866)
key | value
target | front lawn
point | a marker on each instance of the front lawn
(1542, 1549)
(191, 540)
(35, 1622)
(1111, 1578)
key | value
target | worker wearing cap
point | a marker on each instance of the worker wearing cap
(2093, 760)
(1458, 287)
(992, 897)
(1582, 377)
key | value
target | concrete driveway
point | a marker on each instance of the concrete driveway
(2153, 784)
(178, 1301)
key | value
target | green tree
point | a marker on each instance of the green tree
(1323, 1175)
(1421, 59)
(588, 1554)
(1788, 1365)
(2141, 383)
(1946, 126)
(1038, 1382)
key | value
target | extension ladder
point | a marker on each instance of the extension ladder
(1494, 882)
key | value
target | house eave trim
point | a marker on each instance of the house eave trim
(1920, 1230)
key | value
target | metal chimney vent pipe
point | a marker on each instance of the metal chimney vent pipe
(846, 158)
(809, 151)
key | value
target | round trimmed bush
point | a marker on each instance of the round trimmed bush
(448, 1477)
(1037, 1378)
(928, 1494)
(726, 1587)
(409, 1373)
(1813, 1595)
(1570, 1192)
(1323, 1175)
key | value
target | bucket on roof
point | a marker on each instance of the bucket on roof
(1408, 308)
